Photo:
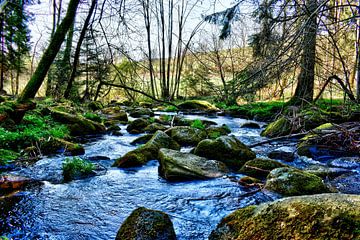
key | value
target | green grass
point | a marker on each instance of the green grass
(74, 168)
(171, 109)
(7, 156)
(93, 117)
(33, 128)
(197, 124)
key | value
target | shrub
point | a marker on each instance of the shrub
(197, 124)
(77, 168)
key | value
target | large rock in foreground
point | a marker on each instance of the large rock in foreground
(316, 217)
(146, 224)
(175, 165)
(227, 149)
(293, 182)
(260, 167)
(149, 151)
(198, 105)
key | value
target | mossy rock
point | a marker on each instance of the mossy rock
(142, 139)
(326, 172)
(181, 121)
(293, 182)
(149, 151)
(120, 116)
(146, 224)
(111, 110)
(227, 149)
(137, 126)
(186, 136)
(78, 125)
(175, 166)
(282, 153)
(316, 217)
(153, 127)
(56, 145)
(198, 105)
(77, 168)
(214, 132)
(260, 167)
(141, 112)
(246, 180)
(95, 105)
(279, 127)
(251, 125)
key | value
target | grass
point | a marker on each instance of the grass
(93, 117)
(33, 128)
(197, 124)
(7, 156)
(75, 168)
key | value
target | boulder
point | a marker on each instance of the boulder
(186, 136)
(153, 127)
(146, 224)
(77, 168)
(57, 145)
(251, 125)
(10, 183)
(141, 112)
(95, 105)
(142, 140)
(198, 105)
(316, 217)
(279, 127)
(326, 172)
(149, 151)
(120, 116)
(78, 125)
(137, 126)
(175, 165)
(227, 149)
(214, 132)
(293, 182)
(260, 167)
(111, 110)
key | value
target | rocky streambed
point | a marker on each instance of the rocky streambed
(95, 207)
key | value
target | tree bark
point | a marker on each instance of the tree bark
(50, 53)
(304, 91)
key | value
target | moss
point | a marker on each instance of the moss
(7, 156)
(279, 127)
(260, 167)
(197, 124)
(326, 216)
(95, 105)
(93, 117)
(77, 168)
(153, 127)
(197, 105)
(146, 224)
(142, 140)
(292, 182)
(186, 136)
(138, 126)
(56, 145)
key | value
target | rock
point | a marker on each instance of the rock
(186, 136)
(78, 125)
(111, 110)
(142, 140)
(145, 104)
(113, 128)
(246, 181)
(198, 105)
(326, 172)
(110, 123)
(280, 127)
(252, 125)
(345, 162)
(227, 149)
(141, 112)
(347, 183)
(175, 165)
(10, 183)
(181, 121)
(137, 126)
(56, 145)
(146, 224)
(215, 132)
(120, 116)
(293, 182)
(149, 151)
(260, 167)
(154, 127)
(316, 217)
(283, 153)
(77, 168)
(95, 105)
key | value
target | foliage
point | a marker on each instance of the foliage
(151, 120)
(94, 117)
(76, 167)
(33, 128)
(7, 156)
(214, 135)
(197, 124)
(171, 109)
(3, 238)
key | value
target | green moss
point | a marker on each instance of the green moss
(93, 116)
(7, 156)
(279, 127)
(171, 109)
(197, 105)
(197, 124)
(76, 168)
(260, 167)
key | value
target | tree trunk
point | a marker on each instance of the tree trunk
(50, 53)
(78, 49)
(358, 57)
(305, 86)
(2, 69)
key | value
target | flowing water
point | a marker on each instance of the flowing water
(94, 208)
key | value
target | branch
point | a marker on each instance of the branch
(296, 135)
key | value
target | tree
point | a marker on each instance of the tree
(50, 53)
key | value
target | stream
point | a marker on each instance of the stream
(94, 208)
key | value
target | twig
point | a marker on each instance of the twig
(296, 135)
